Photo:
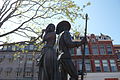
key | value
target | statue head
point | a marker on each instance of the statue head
(63, 26)
(50, 28)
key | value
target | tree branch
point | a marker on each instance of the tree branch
(29, 29)
(4, 6)
(24, 23)
(7, 10)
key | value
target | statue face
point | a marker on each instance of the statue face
(50, 28)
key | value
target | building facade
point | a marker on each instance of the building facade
(100, 57)
(100, 54)
(18, 61)
(117, 52)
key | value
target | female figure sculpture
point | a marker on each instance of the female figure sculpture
(47, 68)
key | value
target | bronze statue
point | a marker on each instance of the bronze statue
(47, 66)
(65, 43)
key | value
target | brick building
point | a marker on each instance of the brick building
(100, 54)
(117, 52)
(100, 57)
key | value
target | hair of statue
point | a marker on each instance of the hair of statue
(63, 26)
(50, 28)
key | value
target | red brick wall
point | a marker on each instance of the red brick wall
(111, 78)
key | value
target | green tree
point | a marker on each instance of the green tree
(29, 16)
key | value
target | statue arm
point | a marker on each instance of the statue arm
(49, 35)
(69, 42)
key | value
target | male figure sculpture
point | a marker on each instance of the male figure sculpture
(65, 43)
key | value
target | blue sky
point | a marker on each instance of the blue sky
(104, 17)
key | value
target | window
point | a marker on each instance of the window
(86, 50)
(97, 66)
(18, 71)
(30, 57)
(31, 47)
(36, 47)
(78, 51)
(5, 48)
(29, 62)
(1, 58)
(95, 49)
(9, 48)
(113, 65)
(109, 49)
(72, 51)
(22, 47)
(20, 58)
(102, 50)
(88, 65)
(37, 70)
(10, 58)
(8, 71)
(118, 55)
(79, 62)
(1, 69)
(93, 40)
(26, 47)
(17, 47)
(13, 47)
(28, 72)
(105, 66)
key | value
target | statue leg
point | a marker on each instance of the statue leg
(69, 68)
(63, 74)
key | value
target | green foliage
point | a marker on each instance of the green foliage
(37, 14)
(53, 9)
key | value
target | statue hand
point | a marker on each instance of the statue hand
(43, 30)
(84, 41)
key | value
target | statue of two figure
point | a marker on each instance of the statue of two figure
(50, 68)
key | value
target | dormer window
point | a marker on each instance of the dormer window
(93, 40)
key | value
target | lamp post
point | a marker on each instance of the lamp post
(83, 54)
